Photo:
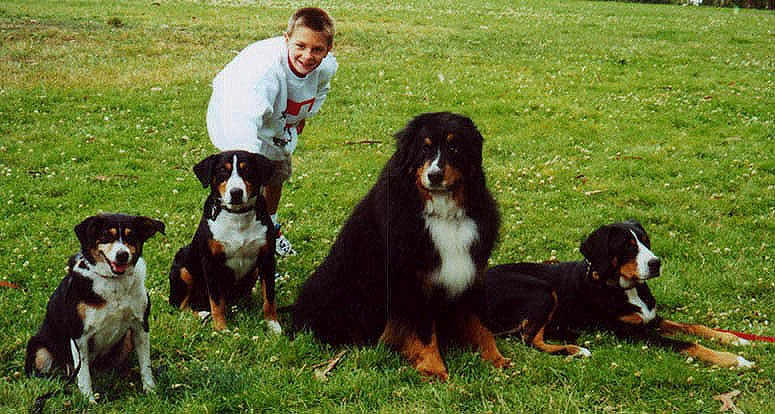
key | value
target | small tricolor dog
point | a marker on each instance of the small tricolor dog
(406, 268)
(99, 312)
(234, 244)
(607, 288)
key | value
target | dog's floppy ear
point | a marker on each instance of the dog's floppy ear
(475, 139)
(87, 232)
(402, 159)
(204, 170)
(641, 232)
(595, 250)
(147, 227)
(264, 168)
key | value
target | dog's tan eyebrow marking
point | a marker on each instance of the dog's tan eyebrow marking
(227, 165)
(127, 231)
(450, 137)
(428, 141)
(243, 164)
(113, 231)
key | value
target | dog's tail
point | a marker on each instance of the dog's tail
(178, 288)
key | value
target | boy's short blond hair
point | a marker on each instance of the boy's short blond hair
(315, 19)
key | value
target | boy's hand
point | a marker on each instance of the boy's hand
(300, 126)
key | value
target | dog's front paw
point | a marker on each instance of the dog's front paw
(501, 362)
(149, 385)
(582, 352)
(431, 373)
(274, 327)
(732, 339)
(743, 363)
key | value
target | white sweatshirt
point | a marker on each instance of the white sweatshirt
(257, 100)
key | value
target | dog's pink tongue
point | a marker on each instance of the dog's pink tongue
(118, 269)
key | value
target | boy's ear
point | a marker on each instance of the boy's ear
(204, 170)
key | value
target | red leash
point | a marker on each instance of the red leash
(750, 337)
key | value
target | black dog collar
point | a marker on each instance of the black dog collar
(592, 274)
(218, 206)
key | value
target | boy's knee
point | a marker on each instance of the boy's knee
(282, 172)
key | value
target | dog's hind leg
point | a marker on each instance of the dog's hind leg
(39, 361)
(181, 282)
(533, 332)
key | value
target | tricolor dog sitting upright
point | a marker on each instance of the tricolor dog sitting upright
(235, 242)
(99, 312)
(607, 288)
(407, 267)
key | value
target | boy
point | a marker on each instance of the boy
(261, 98)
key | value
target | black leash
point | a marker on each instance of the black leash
(40, 402)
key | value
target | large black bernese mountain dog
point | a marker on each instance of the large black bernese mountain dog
(406, 268)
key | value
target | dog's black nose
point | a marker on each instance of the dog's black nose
(436, 177)
(122, 257)
(236, 196)
(654, 267)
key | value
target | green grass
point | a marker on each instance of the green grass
(591, 111)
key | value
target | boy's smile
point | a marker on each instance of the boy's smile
(306, 49)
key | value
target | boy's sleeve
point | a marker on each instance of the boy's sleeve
(324, 85)
(240, 116)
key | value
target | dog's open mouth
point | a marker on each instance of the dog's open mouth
(238, 206)
(439, 188)
(118, 269)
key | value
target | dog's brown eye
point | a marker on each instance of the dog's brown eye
(108, 235)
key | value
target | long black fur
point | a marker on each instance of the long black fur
(374, 268)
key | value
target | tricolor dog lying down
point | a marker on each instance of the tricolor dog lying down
(99, 312)
(607, 288)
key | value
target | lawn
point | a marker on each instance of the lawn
(592, 112)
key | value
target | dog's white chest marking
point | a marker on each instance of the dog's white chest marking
(452, 233)
(125, 303)
(647, 314)
(242, 238)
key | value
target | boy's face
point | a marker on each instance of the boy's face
(306, 49)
